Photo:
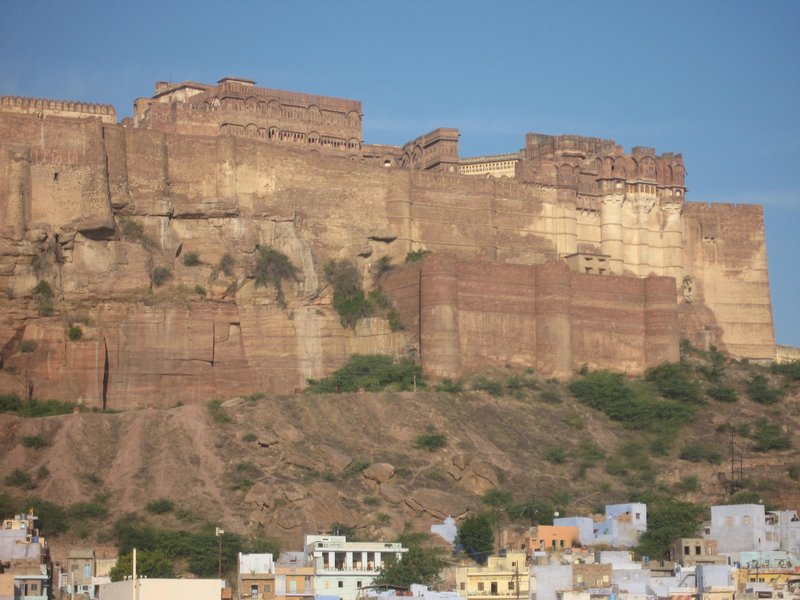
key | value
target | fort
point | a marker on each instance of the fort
(568, 252)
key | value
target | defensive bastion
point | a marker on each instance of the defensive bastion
(567, 252)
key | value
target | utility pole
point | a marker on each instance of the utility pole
(218, 533)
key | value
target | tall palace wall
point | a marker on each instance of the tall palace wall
(588, 256)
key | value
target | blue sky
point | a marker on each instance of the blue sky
(718, 81)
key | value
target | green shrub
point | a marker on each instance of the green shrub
(159, 275)
(356, 467)
(19, 478)
(383, 265)
(371, 501)
(43, 296)
(769, 436)
(36, 442)
(218, 414)
(27, 346)
(759, 390)
(160, 506)
(43, 289)
(133, 231)
(697, 452)
(590, 453)
(273, 268)
(227, 264)
(75, 333)
(790, 370)
(675, 381)
(575, 421)
(430, 441)
(395, 324)
(12, 403)
(550, 396)
(191, 259)
(372, 372)
(200, 291)
(42, 473)
(556, 455)
(722, 393)
(634, 408)
(449, 386)
(491, 386)
(416, 255)
(689, 483)
(793, 472)
(249, 437)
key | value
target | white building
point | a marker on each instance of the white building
(163, 589)
(621, 527)
(342, 568)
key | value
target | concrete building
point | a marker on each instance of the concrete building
(749, 527)
(343, 568)
(690, 552)
(552, 538)
(621, 526)
(294, 578)
(25, 559)
(163, 589)
(255, 576)
(504, 576)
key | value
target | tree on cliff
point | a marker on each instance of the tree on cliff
(272, 267)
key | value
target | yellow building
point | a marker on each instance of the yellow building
(504, 576)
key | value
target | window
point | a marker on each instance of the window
(510, 585)
(746, 520)
(728, 521)
(480, 586)
(579, 579)
(463, 585)
(341, 583)
(358, 584)
(267, 588)
(698, 550)
(254, 591)
(686, 551)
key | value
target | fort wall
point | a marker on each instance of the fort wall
(474, 314)
(589, 256)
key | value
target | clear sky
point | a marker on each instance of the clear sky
(718, 81)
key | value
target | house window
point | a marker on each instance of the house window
(638, 516)
(254, 591)
(510, 585)
(686, 551)
(698, 550)
(267, 588)
(463, 585)
(579, 579)
(341, 583)
(480, 586)
(358, 584)
(729, 521)
(746, 520)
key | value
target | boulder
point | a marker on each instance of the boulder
(379, 472)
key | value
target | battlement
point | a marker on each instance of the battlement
(68, 108)
(542, 145)
(724, 208)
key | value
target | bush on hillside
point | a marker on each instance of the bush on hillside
(760, 390)
(273, 268)
(675, 381)
(371, 372)
(634, 408)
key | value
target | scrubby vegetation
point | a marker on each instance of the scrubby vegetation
(430, 441)
(273, 268)
(160, 275)
(12, 403)
(75, 333)
(416, 255)
(372, 373)
(191, 259)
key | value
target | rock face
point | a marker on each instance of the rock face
(109, 215)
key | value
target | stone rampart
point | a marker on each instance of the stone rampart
(475, 314)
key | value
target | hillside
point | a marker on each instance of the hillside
(282, 467)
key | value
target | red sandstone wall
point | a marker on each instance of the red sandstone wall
(476, 314)
(726, 256)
